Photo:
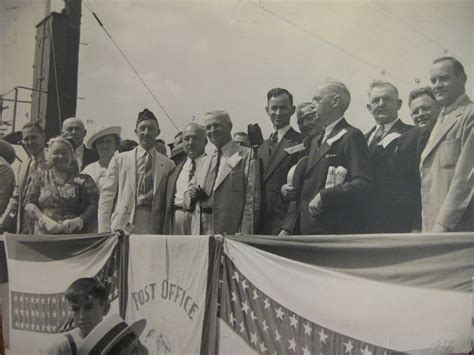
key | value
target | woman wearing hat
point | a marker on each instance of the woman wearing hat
(105, 141)
(59, 199)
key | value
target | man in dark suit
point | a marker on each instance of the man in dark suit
(276, 156)
(178, 215)
(74, 129)
(326, 205)
(395, 200)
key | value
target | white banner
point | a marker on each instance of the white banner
(167, 278)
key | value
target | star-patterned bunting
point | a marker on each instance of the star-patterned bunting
(272, 328)
(49, 313)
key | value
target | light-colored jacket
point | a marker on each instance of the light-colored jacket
(446, 169)
(119, 192)
(236, 197)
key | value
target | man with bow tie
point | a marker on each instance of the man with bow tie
(225, 193)
(320, 207)
(447, 162)
(277, 155)
(134, 189)
(395, 200)
(179, 209)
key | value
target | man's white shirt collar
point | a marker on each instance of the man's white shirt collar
(281, 132)
(328, 129)
(388, 126)
(141, 151)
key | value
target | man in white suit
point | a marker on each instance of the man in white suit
(135, 186)
(447, 162)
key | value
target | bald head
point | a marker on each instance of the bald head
(194, 140)
(218, 127)
(73, 128)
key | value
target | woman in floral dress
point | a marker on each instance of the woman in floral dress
(59, 199)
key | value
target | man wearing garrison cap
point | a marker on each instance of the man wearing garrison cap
(135, 185)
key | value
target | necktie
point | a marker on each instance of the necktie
(378, 135)
(145, 189)
(273, 142)
(192, 170)
(274, 138)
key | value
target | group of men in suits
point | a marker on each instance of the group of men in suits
(396, 179)
(328, 179)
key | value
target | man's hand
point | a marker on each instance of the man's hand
(283, 233)
(289, 192)
(315, 205)
(439, 228)
(197, 193)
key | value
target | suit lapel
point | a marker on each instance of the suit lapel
(264, 154)
(447, 124)
(130, 165)
(227, 164)
(316, 155)
(158, 173)
(173, 179)
(375, 150)
(202, 171)
(279, 155)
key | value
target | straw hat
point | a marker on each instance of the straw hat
(102, 132)
(108, 333)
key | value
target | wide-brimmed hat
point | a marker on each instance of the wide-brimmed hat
(108, 333)
(102, 132)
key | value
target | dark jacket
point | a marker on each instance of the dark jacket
(342, 205)
(275, 169)
(395, 204)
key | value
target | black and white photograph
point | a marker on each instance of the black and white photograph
(236, 177)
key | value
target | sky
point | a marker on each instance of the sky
(198, 56)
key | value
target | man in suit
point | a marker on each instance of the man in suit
(225, 193)
(395, 200)
(34, 141)
(424, 110)
(305, 119)
(74, 129)
(178, 214)
(447, 162)
(276, 156)
(134, 189)
(324, 206)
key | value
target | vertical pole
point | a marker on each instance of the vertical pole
(14, 109)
